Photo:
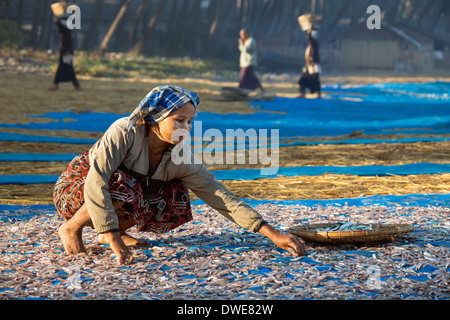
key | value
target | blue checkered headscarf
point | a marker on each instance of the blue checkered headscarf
(159, 103)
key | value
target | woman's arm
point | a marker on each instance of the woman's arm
(206, 187)
(105, 157)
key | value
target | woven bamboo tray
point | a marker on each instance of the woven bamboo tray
(309, 21)
(378, 233)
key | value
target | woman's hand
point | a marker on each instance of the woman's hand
(287, 242)
(123, 254)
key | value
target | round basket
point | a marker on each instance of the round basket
(377, 233)
(60, 9)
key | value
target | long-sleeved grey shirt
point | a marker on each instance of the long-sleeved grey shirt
(131, 148)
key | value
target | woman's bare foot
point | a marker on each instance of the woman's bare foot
(71, 239)
(127, 239)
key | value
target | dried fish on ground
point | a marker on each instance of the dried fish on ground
(211, 258)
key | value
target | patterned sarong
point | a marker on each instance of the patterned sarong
(159, 207)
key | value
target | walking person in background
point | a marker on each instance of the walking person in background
(310, 78)
(65, 71)
(248, 61)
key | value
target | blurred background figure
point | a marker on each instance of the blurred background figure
(247, 62)
(310, 78)
(65, 71)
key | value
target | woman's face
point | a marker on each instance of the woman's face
(244, 35)
(177, 125)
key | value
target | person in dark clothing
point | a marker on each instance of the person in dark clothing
(310, 78)
(65, 70)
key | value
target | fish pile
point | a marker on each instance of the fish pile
(345, 226)
(211, 258)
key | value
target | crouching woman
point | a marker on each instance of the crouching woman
(128, 178)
